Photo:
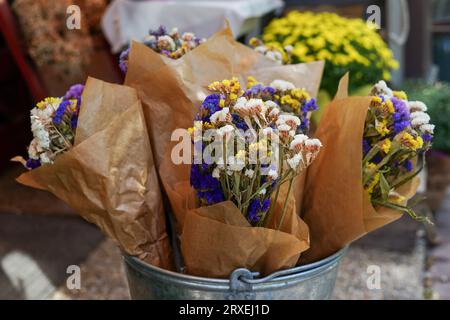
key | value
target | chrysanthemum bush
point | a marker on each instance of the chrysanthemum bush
(397, 132)
(347, 45)
(53, 124)
(170, 44)
(249, 143)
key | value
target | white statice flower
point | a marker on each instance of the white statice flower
(150, 39)
(298, 142)
(427, 128)
(166, 42)
(381, 88)
(249, 173)
(291, 120)
(263, 192)
(225, 130)
(235, 164)
(274, 113)
(188, 36)
(33, 149)
(275, 56)
(268, 131)
(313, 145)
(40, 133)
(261, 49)
(44, 157)
(220, 164)
(45, 109)
(221, 116)
(241, 107)
(284, 128)
(288, 48)
(415, 106)
(419, 118)
(256, 106)
(216, 173)
(282, 85)
(294, 162)
(270, 105)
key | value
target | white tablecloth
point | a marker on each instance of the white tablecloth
(126, 20)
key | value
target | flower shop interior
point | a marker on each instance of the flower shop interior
(48, 45)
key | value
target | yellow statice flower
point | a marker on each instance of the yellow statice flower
(251, 81)
(386, 146)
(400, 95)
(48, 101)
(374, 180)
(410, 142)
(381, 127)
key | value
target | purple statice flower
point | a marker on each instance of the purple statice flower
(310, 105)
(401, 125)
(161, 31)
(366, 147)
(256, 207)
(122, 60)
(208, 188)
(33, 163)
(427, 137)
(60, 112)
(211, 197)
(209, 106)
(166, 53)
(377, 159)
(265, 93)
(74, 92)
(304, 126)
(254, 90)
(239, 122)
(269, 91)
(408, 165)
(74, 121)
(401, 115)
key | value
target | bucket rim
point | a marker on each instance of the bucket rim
(282, 275)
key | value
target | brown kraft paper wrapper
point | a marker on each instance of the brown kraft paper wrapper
(172, 91)
(335, 206)
(218, 239)
(109, 177)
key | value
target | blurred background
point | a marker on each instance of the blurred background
(40, 56)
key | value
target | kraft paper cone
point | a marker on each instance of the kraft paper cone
(109, 177)
(172, 91)
(218, 239)
(336, 207)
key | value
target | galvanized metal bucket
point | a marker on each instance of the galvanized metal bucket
(308, 282)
